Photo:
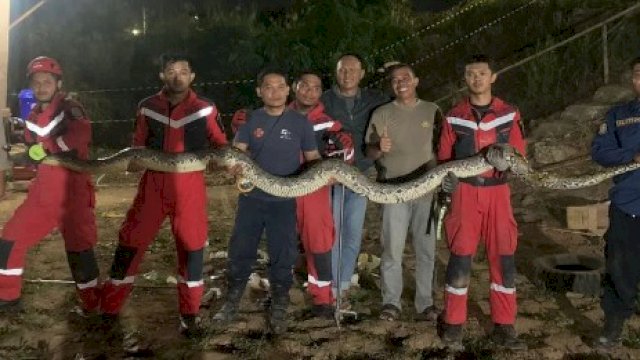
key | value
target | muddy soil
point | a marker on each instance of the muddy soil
(554, 325)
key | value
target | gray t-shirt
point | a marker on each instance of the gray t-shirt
(411, 131)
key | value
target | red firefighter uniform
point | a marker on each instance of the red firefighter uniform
(481, 209)
(191, 125)
(57, 198)
(315, 221)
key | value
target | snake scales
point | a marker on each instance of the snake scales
(322, 172)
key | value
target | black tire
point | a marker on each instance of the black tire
(570, 272)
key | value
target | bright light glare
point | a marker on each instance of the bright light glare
(135, 32)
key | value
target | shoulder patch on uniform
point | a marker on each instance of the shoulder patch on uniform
(603, 129)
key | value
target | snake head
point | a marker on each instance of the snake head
(505, 156)
(499, 156)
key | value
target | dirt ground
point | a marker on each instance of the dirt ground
(554, 325)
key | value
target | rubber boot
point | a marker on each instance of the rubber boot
(277, 315)
(229, 309)
(611, 333)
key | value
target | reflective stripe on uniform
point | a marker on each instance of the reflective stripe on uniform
(456, 291)
(191, 284)
(316, 282)
(61, 144)
(180, 122)
(11, 272)
(483, 125)
(45, 130)
(323, 126)
(126, 280)
(502, 289)
(90, 284)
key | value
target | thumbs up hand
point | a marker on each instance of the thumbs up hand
(385, 140)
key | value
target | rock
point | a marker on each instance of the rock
(368, 262)
(171, 280)
(527, 200)
(258, 283)
(530, 217)
(574, 295)
(263, 257)
(219, 255)
(550, 127)
(610, 94)
(355, 280)
(545, 153)
(151, 275)
(583, 113)
(211, 294)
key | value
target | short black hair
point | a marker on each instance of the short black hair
(270, 71)
(395, 67)
(360, 59)
(167, 59)
(302, 73)
(480, 58)
(635, 62)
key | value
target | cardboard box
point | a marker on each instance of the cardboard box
(593, 217)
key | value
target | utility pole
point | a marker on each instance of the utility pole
(5, 113)
(5, 7)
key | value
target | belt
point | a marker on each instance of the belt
(483, 181)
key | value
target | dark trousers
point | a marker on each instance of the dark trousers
(622, 253)
(278, 220)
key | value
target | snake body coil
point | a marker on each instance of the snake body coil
(321, 173)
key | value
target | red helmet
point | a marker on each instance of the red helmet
(44, 64)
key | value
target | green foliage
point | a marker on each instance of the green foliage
(315, 33)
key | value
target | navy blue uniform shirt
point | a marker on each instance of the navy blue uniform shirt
(616, 143)
(276, 143)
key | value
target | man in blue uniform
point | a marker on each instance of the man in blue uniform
(277, 139)
(618, 143)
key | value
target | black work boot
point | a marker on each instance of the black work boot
(323, 311)
(277, 313)
(10, 306)
(505, 335)
(229, 309)
(611, 333)
(190, 326)
(451, 335)
(109, 325)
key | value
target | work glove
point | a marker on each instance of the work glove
(339, 143)
(37, 153)
(496, 157)
(450, 183)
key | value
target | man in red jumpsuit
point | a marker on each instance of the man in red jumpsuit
(58, 197)
(481, 206)
(314, 216)
(174, 120)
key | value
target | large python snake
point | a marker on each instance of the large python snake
(321, 173)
